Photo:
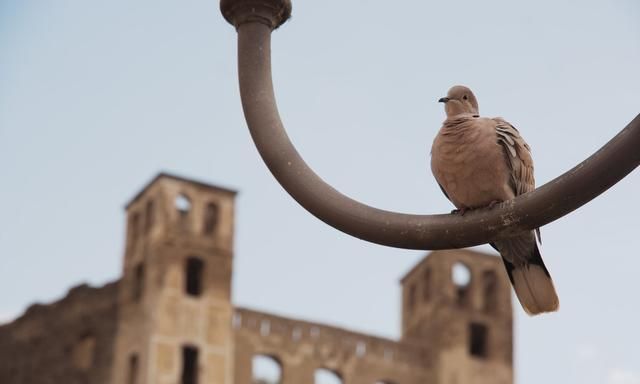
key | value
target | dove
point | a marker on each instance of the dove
(479, 162)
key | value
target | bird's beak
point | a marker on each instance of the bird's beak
(443, 100)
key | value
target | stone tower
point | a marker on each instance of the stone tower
(459, 302)
(174, 323)
(169, 318)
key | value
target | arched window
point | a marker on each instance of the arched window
(138, 282)
(266, 370)
(411, 297)
(210, 219)
(194, 276)
(134, 223)
(489, 285)
(149, 214)
(326, 376)
(461, 277)
(426, 284)
(183, 204)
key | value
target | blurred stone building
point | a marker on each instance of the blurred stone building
(169, 319)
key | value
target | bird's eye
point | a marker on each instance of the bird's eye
(464, 97)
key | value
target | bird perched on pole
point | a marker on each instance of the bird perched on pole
(479, 162)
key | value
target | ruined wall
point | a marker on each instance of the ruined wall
(69, 341)
(301, 347)
(165, 322)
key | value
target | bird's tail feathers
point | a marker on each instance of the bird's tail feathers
(533, 284)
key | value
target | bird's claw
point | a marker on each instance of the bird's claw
(460, 211)
(463, 210)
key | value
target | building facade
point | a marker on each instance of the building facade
(169, 319)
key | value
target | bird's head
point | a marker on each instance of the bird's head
(460, 100)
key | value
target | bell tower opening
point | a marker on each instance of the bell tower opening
(183, 204)
(193, 278)
(210, 219)
(149, 213)
(461, 277)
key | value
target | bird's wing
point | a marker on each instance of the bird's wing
(443, 191)
(518, 156)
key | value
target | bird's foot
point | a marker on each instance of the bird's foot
(463, 210)
(460, 211)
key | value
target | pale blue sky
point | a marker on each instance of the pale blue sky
(97, 97)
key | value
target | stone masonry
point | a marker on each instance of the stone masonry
(169, 319)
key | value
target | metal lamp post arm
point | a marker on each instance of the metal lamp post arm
(255, 20)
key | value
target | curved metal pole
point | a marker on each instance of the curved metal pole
(255, 21)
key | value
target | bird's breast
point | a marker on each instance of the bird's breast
(470, 166)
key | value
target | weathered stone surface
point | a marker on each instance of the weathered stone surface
(69, 341)
(144, 328)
